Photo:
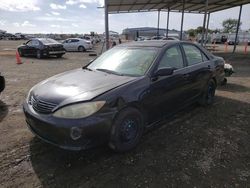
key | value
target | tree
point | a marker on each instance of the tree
(230, 25)
(191, 32)
(199, 30)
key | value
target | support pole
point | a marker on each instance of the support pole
(204, 23)
(182, 18)
(167, 23)
(237, 30)
(158, 24)
(208, 19)
(106, 24)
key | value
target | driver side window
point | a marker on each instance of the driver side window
(172, 58)
(29, 43)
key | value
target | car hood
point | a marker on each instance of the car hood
(77, 85)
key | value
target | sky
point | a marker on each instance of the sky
(83, 16)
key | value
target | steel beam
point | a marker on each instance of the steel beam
(182, 18)
(167, 24)
(158, 24)
(208, 20)
(204, 24)
(237, 30)
(106, 24)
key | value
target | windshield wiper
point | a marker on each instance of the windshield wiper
(110, 72)
(86, 67)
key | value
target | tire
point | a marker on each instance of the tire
(81, 49)
(127, 130)
(207, 98)
(20, 52)
(59, 55)
(38, 54)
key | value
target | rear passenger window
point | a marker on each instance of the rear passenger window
(172, 58)
(74, 40)
(193, 54)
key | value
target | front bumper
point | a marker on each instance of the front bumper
(56, 52)
(95, 130)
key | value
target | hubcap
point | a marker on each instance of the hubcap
(129, 130)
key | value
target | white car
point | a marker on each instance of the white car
(170, 38)
(77, 44)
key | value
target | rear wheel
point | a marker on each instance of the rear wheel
(207, 97)
(38, 54)
(126, 130)
(81, 49)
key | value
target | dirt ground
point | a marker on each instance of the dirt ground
(199, 147)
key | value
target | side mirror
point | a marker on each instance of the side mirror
(24, 44)
(165, 71)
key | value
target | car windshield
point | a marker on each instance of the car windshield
(48, 41)
(125, 61)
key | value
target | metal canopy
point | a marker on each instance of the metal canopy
(191, 6)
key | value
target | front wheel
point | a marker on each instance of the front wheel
(127, 130)
(207, 98)
(81, 49)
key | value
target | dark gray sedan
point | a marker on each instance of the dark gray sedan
(122, 93)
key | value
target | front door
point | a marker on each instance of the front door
(168, 93)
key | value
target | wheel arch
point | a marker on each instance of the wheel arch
(121, 105)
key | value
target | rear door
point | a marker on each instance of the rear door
(199, 68)
(75, 44)
(168, 93)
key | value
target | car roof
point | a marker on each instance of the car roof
(42, 38)
(149, 43)
(74, 38)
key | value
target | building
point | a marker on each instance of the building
(133, 33)
(112, 34)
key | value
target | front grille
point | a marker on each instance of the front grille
(41, 106)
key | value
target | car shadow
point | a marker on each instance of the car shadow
(193, 148)
(234, 88)
(3, 110)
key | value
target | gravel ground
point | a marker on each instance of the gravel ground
(199, 147)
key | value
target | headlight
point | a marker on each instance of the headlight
(81, 110)
(28, 96)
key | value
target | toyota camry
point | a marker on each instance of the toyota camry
(127, 90)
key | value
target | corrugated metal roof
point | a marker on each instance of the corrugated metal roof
(193, 6)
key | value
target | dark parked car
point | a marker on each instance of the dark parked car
(122, 93)
(220, 40)
(231, 41)
(41, 47)
(2, 83)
